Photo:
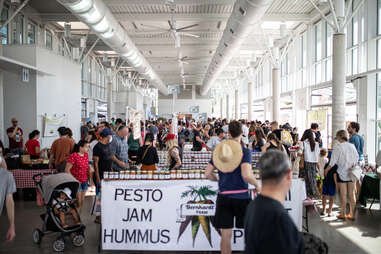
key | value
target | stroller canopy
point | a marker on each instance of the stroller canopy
(56, 182)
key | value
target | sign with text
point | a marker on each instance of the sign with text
(169, 215)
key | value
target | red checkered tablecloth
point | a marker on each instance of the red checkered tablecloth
(23, 177)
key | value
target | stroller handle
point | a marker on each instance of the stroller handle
(40, 175)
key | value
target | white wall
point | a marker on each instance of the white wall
(183, 105)
(20, 102)
(59, 94)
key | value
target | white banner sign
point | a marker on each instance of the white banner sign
(135, 117)
(171, 215)
(51, 126)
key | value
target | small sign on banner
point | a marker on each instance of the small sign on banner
(25, 75)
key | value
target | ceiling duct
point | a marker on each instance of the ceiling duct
(99, 18)
(246, 14)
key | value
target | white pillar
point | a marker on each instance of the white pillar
(338, 83)
(249, 101)
(227, 108)
(193, 92)
(222, 107)
(276, 94)
(236, 105)
(109, 100)
(174, 97)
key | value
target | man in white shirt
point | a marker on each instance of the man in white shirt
(7, 188)
(215, 140)
(245, 133)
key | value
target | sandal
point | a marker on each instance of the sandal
(348, 217)
(340, 217)
(322, 213)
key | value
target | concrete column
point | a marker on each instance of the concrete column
(249, 101)
(174, 97)
(338, 83)
(109, 100)
(193, 92)
(221, 107)
(276, 94)
(366, 112)
(227, 108)
(236, 105)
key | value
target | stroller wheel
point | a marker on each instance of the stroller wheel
(37, 236)
(78, 240)
(59, 245)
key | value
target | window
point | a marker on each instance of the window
(4, 31)
(31, 28)
(318, 44)
(378, 118)
(18, 29)
(49, 40)
(84, 108)
(379, 17)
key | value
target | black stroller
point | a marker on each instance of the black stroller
(49, 189)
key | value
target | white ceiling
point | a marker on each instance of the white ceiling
(145, 20)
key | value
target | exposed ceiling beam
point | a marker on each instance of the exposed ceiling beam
(170, 47)
(140, 17)
(163, 2)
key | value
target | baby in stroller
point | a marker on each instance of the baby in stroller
(64, 204)
(57, 193)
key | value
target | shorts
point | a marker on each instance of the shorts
(83, 186)
(339, 180)
(329, 190)
(229, 208)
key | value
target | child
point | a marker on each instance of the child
(329, 190)
(62, 206)
(323, 160)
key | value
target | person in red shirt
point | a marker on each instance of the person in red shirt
(33, 145)
(78, 165)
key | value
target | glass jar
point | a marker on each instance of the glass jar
(185, 174)
(202, 173)
(173, 174)
(162, 175)
(144, 175)
(197, 174)
(106, 176)
(191, 174)
(127, 175)
(132, 174)
(167, 175)
(156, 175)
(179, 174)
(138, 175)
(149, 175)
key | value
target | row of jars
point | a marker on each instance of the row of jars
(155, 175)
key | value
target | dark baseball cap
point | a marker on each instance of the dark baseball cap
(106, 132)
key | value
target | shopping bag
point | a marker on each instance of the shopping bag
(355, 173)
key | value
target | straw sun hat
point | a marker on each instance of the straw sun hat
(227, 156)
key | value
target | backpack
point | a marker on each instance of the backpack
(286, 138)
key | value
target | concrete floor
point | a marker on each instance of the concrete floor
(360, 236)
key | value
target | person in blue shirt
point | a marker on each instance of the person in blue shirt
(356, 139)
(233, 162)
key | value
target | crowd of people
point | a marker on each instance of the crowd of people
(118, 145)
